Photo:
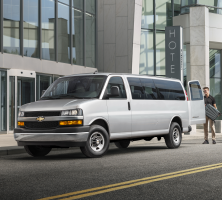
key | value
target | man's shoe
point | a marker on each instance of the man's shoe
(214, 142)
(206, 142)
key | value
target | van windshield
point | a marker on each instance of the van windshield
(76, 87)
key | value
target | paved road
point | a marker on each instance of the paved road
(23, 177)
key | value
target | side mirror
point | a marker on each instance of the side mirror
(114, 92)
(43, 91)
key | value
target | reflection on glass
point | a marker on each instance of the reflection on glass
(77, 35)
(215, 63)
(147, 14)
(90, 40)
(48, 30)
(3, 101)
(63, 34)
(25, 91)
(42, 83)
(90, 6)
(11, 36)
(163, 7)
(215, 77)
(64, 1)
(11, 103)
(160, 53)
(77, 4)
(146, 53)
(31, 28)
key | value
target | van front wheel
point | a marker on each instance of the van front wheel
(37, 151)
(174, 138)
(97, 143)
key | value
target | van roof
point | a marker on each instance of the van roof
(127, 74)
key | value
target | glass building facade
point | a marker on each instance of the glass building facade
(63, 31)
(56, 30)
(156, 15)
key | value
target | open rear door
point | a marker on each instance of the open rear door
(196, 103)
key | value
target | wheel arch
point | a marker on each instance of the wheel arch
(178, 120)
(102, 122)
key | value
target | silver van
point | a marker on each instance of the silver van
(91, 110)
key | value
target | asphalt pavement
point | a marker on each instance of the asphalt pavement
(146, 170)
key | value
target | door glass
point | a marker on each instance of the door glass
(3, 96)
(11, 102)
(150, 91)
(195, 91)
(116, 81)
(136, 88)
(26, 91)
(169, 90)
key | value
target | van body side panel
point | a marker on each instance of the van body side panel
(93, 110)
(176, 108)
(146, 114)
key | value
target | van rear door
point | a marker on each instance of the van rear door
(196, 103)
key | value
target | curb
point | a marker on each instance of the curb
(13, 150)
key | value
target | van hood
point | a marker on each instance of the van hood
(53, 105)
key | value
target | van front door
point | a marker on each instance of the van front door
(119, 111)
(196, 103)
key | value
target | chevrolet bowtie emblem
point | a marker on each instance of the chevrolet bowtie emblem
(40, 119)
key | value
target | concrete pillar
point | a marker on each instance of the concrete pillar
(199, 45)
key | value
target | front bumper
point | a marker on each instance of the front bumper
(59, 137)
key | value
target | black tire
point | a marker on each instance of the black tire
(37, 151)
(123, 144)
(100, 147)
(174, 138)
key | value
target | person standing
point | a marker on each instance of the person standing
(208, 99)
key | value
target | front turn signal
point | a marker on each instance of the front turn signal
(69, 123)
(21, 123)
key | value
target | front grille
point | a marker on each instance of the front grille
(42, 113)
(42, 125)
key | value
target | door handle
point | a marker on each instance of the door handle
(129, 106)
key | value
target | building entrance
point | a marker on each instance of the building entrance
(21, 90)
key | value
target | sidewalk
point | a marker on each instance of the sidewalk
(8, 145)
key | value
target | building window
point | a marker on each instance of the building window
(63, 33)
(90, 40)
(31, 28)
(3, 101)
(48, 30)
(42, 83)
(146, 53)
(152, 47)
(160, 53)
(11, 36)
(215, 77)
(77, 36)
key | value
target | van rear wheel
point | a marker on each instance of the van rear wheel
(97, 143)
(174, 138)
(37, 151)
(123, 144)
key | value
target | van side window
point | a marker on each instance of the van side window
(136, 88)
(116, 81)
(150, 91)
(169, 90)
(195, 90)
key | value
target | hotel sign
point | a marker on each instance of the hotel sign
(174, 52)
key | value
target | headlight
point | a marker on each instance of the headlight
(76, 112)
(21, 114)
